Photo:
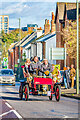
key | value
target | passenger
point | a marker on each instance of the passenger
(26, 68)
(45, 68)
(35, 66)
(54, 71)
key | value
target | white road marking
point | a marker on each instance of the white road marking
(10, 112)
(17, 114)
(8, 105)
(6, 113)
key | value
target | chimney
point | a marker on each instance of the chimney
(52, 23)
(46, 27)
(39, 32)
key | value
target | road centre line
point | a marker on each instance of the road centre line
(17, 114)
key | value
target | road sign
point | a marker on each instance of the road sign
(57, 53)
(5, 59)
(16, 65)
(5, 62)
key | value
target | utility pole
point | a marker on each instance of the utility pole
(77, 81)
(65, 55)
(19, 46)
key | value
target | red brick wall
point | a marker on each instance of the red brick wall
(16, 55)
(21, 52)
(44, 50)
(9, 60)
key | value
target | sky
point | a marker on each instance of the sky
(30, 11)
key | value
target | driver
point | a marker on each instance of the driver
(45, 68)
(34, 66)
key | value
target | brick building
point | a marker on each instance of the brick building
(64, 13)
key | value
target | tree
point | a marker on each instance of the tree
(7, 39)
(70, 37)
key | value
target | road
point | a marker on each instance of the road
(37, 106)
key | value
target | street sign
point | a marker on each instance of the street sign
(5, 59)
(57, 53)
(16, 65)
(5, 62)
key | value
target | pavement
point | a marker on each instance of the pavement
(69, 93)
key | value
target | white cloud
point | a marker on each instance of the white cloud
(38, 1)
(14, 8)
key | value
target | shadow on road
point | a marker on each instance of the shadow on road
(30, 99)
(34, 99)
(12, 92)
(10, 98)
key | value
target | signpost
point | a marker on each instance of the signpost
(77, 90)
(58, 54)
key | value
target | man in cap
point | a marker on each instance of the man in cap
(34, 66)
(45, 68)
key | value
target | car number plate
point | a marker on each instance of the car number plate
(48, 93)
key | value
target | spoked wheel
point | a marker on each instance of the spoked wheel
(20, 93)
(50, 97)
(26, 92)
(57, 93)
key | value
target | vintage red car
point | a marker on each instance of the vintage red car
(40, 86)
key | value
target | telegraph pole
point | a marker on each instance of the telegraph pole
(19, 45)
(77, 81)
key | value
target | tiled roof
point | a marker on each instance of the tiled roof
(29, 40)
(21, 41)
(43, 39)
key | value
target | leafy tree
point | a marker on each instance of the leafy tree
(70, 37)
(7, 39)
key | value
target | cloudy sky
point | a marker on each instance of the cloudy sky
(30, 11)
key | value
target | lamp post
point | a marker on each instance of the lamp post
(19, 46)
(77, 81)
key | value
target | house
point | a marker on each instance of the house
(64, 13)
(43, 47)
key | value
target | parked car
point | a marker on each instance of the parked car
(7, 76)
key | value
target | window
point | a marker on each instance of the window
(5, 19)
(0, 19)
(5, 25)
(5, 31)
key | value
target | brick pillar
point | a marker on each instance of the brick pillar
(21, 49)
(43, 49)
(14, 59)
(16, 55)
(59, 42)
(9, 60)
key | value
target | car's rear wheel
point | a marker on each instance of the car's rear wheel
(20, 92)
(26, 92)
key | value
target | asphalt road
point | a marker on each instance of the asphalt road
(37, 106)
